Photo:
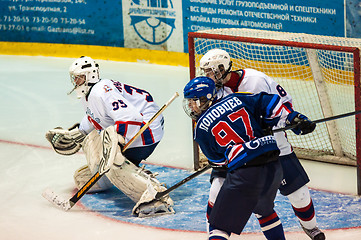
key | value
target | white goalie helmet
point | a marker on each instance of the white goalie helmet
(84, 73)
(214, 62)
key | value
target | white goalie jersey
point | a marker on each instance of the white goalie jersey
(253, 81)
(128, 108)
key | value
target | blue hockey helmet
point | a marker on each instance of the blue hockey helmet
(199, 94)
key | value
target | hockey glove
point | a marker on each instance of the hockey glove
(303, 125)
(267, 131)
(65, 142)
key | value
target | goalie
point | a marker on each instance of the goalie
(115, 112)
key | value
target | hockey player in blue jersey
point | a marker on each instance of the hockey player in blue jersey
(230, 132)
(217, 64)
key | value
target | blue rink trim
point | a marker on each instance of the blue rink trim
(333, 210)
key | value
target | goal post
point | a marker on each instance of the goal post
(321, 73)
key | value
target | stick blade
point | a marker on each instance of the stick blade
(56, 200)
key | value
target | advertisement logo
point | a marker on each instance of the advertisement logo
(255, 143)
(153, 20)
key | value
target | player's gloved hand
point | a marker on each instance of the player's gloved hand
(267, 130)
(66, 141)
(303, 124)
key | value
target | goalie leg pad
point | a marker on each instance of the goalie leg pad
(111, 149)
(140, 186)
(82, 176)
(129, 179)
(92, 148)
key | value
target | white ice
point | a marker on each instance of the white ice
(33, 99)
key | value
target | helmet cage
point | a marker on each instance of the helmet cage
(194, 107)
(199, 94)
(216, 64)
(84, 73)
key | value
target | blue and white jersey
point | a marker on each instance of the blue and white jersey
(231, 133)
(253, 81)
(127, 107)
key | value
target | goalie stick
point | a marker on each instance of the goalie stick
(68, 204)
(159, 195)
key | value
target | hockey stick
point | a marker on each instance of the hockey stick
(320, 120)
(159, 195)
(68, 204)
(190, 177)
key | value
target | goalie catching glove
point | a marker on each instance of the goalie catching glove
(303, 125)
(66, 142)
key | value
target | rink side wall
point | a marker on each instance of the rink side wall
(96, 52)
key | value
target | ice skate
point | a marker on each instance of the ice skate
(314, 233)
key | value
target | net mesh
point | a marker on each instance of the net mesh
(317, 97)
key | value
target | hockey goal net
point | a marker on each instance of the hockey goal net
(321, 73)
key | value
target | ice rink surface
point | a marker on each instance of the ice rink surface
(33, 99)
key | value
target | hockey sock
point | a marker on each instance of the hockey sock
(303, 207)
(271, 227)
(209, 210)
(306, 215)
(217, 234)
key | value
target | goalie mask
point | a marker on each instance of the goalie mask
(84, 73)
(199, 94)
(216, 64)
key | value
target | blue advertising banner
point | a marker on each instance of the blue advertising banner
(353, 18)
(62, 21)
(164, 24)
(313, 16)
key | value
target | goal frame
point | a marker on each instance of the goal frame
(357, 78)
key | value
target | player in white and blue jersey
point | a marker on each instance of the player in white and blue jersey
(114, 114)
(128, 108)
